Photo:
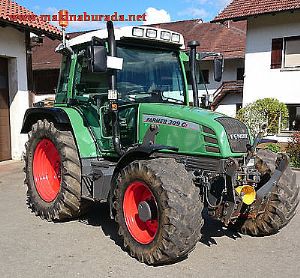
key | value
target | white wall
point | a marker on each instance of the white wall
(12, 46)
(260, 80)
(229, 74)
(228, 105)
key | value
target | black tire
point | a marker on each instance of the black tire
(281, 205)
(179, 210)
(67, 204)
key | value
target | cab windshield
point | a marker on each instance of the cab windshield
(148, 75)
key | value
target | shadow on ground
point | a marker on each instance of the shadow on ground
(213, 229)
(99, 216)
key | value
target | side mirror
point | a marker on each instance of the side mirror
(97, 56)
(218, 69)
(100, 62)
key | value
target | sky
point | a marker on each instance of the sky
(157, 11)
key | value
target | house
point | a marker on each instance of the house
(272, 59)
(228, 39)
(15, 73)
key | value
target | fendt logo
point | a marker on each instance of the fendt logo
(238, 136)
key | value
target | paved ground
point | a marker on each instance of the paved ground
(31, 247)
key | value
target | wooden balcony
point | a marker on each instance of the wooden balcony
(227, 87)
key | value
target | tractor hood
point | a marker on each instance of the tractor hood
(194, 131)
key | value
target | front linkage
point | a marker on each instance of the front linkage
(257, 194)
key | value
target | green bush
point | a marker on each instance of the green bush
(293, 150)
(273, 148)
(267, 110)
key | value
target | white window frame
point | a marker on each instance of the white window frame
(285, 40)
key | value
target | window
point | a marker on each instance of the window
(88, 83)
(150, 76)
(204, 77)
(285, 53)
(240, 74)
(239, 106)
(294, 116)
(45, 81)
(292, 53)
(62, 89)
(147, 76)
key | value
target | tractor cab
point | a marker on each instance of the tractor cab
(146, 65)
(113, 74)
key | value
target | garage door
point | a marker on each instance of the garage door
(5, 152)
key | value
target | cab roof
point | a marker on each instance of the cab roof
(144, 33)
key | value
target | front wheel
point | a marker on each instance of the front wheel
(281, 204)
(158, 210)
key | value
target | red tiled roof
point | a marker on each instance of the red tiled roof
(242, 9)
(229, 39)
(9, 8)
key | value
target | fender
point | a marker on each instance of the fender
(69, 119)
(32, 115)
(141, 152)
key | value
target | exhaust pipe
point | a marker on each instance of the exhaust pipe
(192, 62)
(113, 94)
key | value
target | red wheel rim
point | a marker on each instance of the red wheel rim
(46, 170)
(143, 232)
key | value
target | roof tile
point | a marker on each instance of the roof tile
(229, 39)
(242, 9)
(9, 8)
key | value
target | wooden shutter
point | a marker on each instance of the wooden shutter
(276, 57)
(5, 150)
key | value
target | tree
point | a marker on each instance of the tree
(267, 110)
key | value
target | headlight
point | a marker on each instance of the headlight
(166, 36)
(175, 38)
(138, 32)
(151, 33)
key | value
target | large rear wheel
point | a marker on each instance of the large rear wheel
(281, 205)
(158, 209)
(53, 172)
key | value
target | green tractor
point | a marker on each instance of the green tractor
(124, 130)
